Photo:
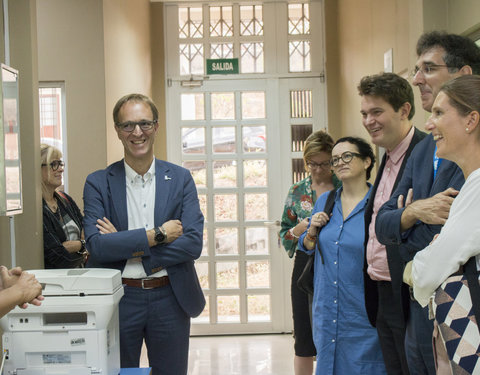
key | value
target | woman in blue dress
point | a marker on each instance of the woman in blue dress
(346, 343)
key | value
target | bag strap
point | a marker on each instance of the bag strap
(471, 275)
(328, 210)
(62, 195)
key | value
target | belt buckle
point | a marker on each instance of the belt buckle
(146, 279)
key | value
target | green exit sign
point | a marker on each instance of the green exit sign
(222, 66)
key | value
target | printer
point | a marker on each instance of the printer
(74, 331)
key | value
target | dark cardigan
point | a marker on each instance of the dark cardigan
(55, 255)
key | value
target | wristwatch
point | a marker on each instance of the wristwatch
(83, 249)
(160, 235)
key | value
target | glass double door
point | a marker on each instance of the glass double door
(234, 137)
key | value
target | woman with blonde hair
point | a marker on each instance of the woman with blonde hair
(63, 238)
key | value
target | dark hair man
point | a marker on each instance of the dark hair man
(387, 107)
(154, 206)
(428, 184)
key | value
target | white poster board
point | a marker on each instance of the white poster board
(10, 156)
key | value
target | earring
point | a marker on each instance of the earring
(466, 129)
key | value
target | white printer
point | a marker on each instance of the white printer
(75, 330)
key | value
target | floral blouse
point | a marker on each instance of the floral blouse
(298, 205)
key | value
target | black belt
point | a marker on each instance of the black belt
(147, 283)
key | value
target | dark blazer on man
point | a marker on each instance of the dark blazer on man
(175, 198)
(395, 262)
(418, 175)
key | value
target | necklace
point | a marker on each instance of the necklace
(53, 206)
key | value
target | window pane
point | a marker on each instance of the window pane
(258, 274)
(221, 50)
(228, 308)
(251, 57)
(223, 139)
(223, 106)
(191, 59)
(225, 173)
(226, 241)
(300, 134)
(253, 105)
(225, 207)
(301, 105)
(50, 102)
(254, 139)
(256, 240)
(198, 169)
(202, 200)
(255, 173)
(221, 21)
(299, 52)
(298, 170)
(298, 19)
(193, 140)
(227, 275)
(190, 23)
(193, 107)
(205, 241)
(258, 308)
(251, 20)
(256, 206)
(202, 272)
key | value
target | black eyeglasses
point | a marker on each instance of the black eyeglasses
(346, 157)
(129, 126)
(429, 69)
(55, 164)
(323, 164)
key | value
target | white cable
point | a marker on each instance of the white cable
(3, 360)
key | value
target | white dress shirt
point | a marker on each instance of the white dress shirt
(140, 209)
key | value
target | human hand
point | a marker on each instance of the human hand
(409, 199)
(105, 226)
(433, 210)
(317, 221)
(29, 290)
(174, 229)
(8, 278)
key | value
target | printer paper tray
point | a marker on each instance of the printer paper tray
(61, 370)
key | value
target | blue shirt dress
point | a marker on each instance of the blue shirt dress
(346, 342)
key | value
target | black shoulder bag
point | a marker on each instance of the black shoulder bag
(305, 281)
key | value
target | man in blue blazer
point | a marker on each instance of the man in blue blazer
(387, 109)
(143, 218)
(428, 185)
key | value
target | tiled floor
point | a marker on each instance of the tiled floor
(240, 355)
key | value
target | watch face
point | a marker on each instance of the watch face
(159, 236)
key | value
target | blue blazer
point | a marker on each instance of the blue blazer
(105, 195)
(395, 262)
(418, 175)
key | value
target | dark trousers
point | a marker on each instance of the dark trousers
(418, 341)
(302, 310)
(391, 330)
(156, 316)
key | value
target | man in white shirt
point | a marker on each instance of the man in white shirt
(143, 218)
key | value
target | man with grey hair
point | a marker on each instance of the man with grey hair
(420, 205)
